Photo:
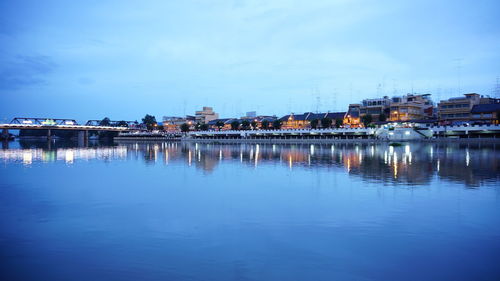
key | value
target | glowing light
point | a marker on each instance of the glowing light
(69, 157)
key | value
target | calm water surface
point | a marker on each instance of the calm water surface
(172, 211)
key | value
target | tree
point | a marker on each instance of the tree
(203, 127)
(326, 122)
(105, 122)
(122, 124)
(339, 122)
(149, 121)
(235, 125)
(254, 124)
(314, 123)
(185, 127)
(219, 124)
(366, 119)
(245, 125)
(197, 127)
(265, 124)
(160, 127)
(382, 117)
(277, 124)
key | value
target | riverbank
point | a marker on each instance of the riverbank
(331, 141)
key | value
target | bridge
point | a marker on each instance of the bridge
(51, 124)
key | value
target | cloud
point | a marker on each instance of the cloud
(25, 70)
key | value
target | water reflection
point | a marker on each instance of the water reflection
(409, 164)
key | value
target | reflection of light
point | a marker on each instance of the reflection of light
(27, 157)
(220, 154)
(290, 163)
(395, 164)
(373, 150)
(407, 149)
(385, 157)
(467, 157)
(189, 157)
(437, 168)
(312, 149)
(391, 150)
(432, 151)
(256, 154)
(69, 156)
(348, 164)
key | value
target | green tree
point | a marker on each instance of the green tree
(314, 123)
(235, 125)
(149, 121)
(382, 117)
(245, 125)
(105, 122)
(122, 124)
(339, 122)
(185, 127)
(203, 127)
(254, 124)
(265, 125)
(219, 124)
(326, 122)
(159, 127)
(366, 119)
(277, 124)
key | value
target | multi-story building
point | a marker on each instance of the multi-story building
(486, 113)
(411, 107)
(206, 115)
(375, 108)
(457, 109)
(173, 123)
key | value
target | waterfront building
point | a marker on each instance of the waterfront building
(375, 107)
(457, 109)
(352, 118)
(205, 115)
(173, 123)
(411, 107)
(488, 113)
(303, 121)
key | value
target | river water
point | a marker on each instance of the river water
(193, 211)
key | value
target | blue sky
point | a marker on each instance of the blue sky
(123, 59)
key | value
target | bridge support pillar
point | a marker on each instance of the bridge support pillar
(83, 138)
(5, 134)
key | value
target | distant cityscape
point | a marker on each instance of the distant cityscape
(469, 109)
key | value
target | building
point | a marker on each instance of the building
(457, 109)
(205, 115)
(173, 123)
(352, 118)
(486, 113)
(303, 121)
(411, 107)
(375, 108)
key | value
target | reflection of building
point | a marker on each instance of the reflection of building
(206, 115)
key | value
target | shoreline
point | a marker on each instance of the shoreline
(332, 141)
